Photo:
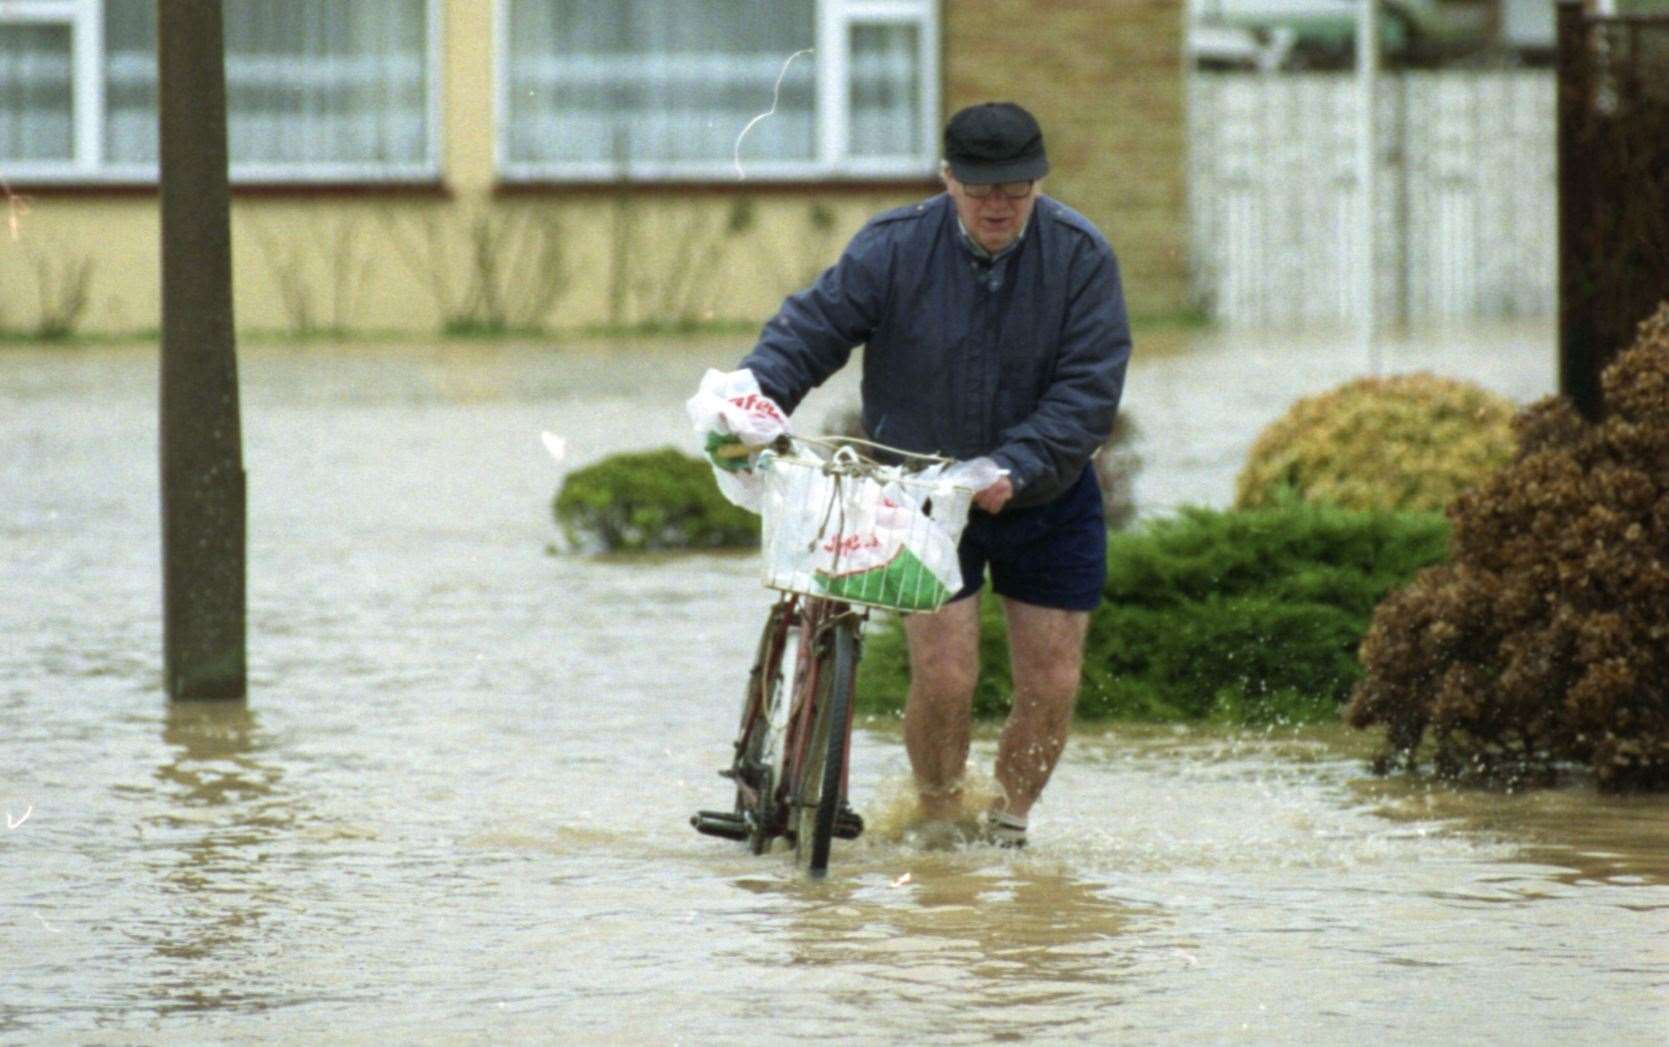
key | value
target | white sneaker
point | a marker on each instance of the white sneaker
(1005, 830)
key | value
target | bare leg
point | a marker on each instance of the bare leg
(944, 666)
(1046, 646)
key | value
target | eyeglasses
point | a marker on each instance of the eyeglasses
(1012, 190)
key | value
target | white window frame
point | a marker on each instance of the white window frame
(834, 39)
(86, 21)
(835, 22)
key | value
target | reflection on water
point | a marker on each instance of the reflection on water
(1019, 923)
(1003, 948)
(1591, 837)
(212, 749)
(223, 806)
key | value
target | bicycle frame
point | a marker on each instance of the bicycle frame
(765, 807)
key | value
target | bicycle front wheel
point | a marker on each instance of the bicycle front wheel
(758, 751)
(817, 795)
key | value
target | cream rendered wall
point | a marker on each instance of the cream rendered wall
(413, 261)
(1103, 77)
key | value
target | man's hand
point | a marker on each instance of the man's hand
(993, 498)
(728, 452)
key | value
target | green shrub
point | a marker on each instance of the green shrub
(650, 500)
(1404, 442)
(1193, 658)
(1546, 639)
(1244, 616)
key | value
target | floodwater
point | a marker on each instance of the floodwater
(454, 809)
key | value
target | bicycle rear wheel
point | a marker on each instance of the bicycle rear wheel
(817, 793)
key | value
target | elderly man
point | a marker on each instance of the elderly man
(994, 326)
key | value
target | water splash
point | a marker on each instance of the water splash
(896, 809)
(776, 97)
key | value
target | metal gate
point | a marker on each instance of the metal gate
(1466, 215)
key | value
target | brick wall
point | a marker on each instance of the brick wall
(1105, 79)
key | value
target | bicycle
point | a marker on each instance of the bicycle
(843, 534)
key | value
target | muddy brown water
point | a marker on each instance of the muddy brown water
(454, 808)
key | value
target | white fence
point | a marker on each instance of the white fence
(1467, 216)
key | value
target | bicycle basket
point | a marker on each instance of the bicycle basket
(846, 529)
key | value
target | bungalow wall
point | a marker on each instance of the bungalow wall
(468, 248)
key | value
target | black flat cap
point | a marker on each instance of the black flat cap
(995, 142)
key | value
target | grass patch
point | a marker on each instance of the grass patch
(76, 340)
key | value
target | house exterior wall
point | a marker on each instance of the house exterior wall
(1105, 79)
(470, 254)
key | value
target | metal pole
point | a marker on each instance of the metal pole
(1367, 138)
(201, 444)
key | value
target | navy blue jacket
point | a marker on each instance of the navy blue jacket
(1020, 358)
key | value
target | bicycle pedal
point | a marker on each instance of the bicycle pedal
(848, 824)
(720, 823)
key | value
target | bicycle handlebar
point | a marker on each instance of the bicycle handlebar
(840, 455)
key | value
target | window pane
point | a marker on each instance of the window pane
(624, 81)
(130, 104)
(886, 91)
(36, 94)
(307, 81)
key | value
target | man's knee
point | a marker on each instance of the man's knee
(1055, 682)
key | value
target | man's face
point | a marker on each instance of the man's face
(995, 219)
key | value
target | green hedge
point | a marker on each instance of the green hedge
(1248, 616)
(661, 499)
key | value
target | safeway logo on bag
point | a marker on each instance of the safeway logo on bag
(753, 403)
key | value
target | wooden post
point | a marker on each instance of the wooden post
(203, 502)
(1578, 355)
(1613, 190)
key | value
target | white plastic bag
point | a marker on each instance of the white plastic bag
(975, 474)
(892, 544)
(733, 417)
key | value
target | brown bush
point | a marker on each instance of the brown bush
(1545, 638)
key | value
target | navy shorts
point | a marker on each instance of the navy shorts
(1050, 555)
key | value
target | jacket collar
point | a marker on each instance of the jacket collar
(973, 248)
